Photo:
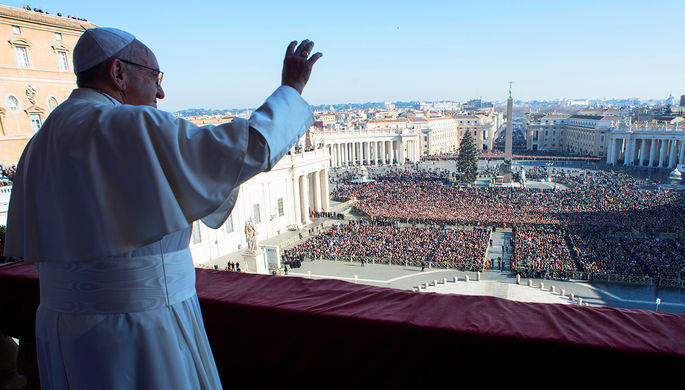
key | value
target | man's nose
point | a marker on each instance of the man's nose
(160, 92)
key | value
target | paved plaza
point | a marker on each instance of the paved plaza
(495, 283)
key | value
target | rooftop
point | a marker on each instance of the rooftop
(21, 14)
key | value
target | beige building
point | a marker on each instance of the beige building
(36, 73)
(444, 134)
(581, 133)
(547, 132)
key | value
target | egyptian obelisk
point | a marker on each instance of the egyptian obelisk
(508, 134)
(506, 167)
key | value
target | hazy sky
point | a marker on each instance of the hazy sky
(227, 54)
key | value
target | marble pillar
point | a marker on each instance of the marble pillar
(673, 155)
(652, 153)
(663, 152)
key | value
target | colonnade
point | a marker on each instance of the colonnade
(310, 194)
(655, 152)
(351, 153)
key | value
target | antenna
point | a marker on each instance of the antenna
(509, 88)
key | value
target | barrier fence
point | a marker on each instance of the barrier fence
(528, 272)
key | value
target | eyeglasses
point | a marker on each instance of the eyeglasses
(160, 74)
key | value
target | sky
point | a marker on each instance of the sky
(228, 54)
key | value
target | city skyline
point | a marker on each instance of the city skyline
(218, 56)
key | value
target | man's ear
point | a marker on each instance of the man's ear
(117, 75)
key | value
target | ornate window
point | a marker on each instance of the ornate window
(21, 50)
(62, 56)
(36, 122)
(62, 61)
(52, 103)
(12, 103)
(22, 56)
(281, 209)
(256, 214)
(229, 224)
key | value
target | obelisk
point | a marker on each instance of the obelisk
(506, 166)
(508, 134)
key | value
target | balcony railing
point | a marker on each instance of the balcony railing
(268, 331)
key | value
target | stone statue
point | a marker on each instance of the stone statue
(31, 94)
(363, 174)
(251, 235)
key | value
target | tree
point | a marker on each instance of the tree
(467, 164)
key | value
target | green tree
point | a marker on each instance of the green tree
(467, 164)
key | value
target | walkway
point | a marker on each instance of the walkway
(501, 239)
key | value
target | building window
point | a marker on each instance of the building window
(197, 236)
(12, 103)
(256, 215)
(52, 102)
(229, 224)
(22, 56)
(16, 30)
(58, 36)
(62, 60)
(35, 122)
(281, 211)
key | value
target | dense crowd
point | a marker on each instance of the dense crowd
(518, 155)
(602, 200)
(7, 174)
(597, 226)
(541, 250)
(602, 254)
(383, 242)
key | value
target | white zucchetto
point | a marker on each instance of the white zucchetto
(97, 45)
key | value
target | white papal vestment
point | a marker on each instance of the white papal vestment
(103, 200)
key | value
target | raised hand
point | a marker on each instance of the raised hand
(297, 65)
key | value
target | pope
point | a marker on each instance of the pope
(103, 202)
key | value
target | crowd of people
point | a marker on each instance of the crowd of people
(602, 200)
(597, 226)
(598, 253)
(367, 241)
(7, 174)
(519, 155)
(540, 250)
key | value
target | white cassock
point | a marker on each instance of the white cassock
(103, 200)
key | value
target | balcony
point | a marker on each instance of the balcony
(269, 331)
